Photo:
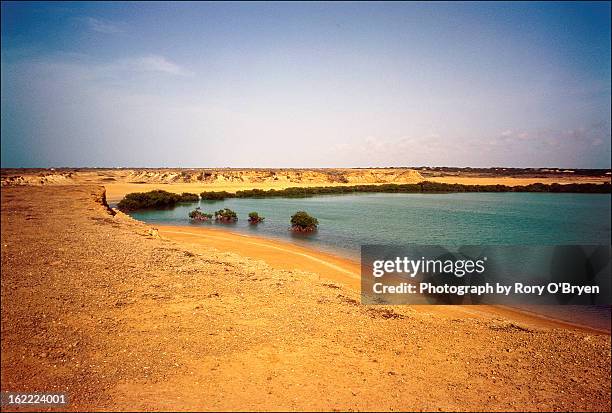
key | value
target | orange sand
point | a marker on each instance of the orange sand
(287, 256)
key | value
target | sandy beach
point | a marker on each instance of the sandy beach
(122, 317)
(279, 255)
(333, 268)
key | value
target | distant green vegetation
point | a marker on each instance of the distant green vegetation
(189, 197)
(156, 199)
(254, 218)
(159, 199)
(198, 215)
(226, 215)
(422, 187)
(216, 196)
(301, 221)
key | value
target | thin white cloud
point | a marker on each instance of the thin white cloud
(81, 66)
(152, 63)
(101, 25)
(510, 135)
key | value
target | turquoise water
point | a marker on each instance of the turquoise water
(348, 221)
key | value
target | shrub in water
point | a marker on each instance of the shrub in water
(254, 218)
(302, 222)
(198, 215)
(226, 215)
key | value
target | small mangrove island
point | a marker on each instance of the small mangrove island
(301, 221)
(255, 218)
(226, 215)
(199, 215)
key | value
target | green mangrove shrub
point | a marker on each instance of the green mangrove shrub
(226, 215)
(301, 221)
(215, 196)
(254, 218)
(156, 199)
(189, 197)
(198, 215)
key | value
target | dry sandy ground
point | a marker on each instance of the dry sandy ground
(97, 306)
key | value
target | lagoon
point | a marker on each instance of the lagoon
(348, 221)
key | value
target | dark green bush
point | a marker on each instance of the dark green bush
(198, 215)
(189, 197)
(216, 196)
(301, 221)
(254, 218)
(157, 199)
(422, 187)
(226, 215)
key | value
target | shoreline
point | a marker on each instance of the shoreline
(338, 269)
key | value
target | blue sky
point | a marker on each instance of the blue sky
(306, 84)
